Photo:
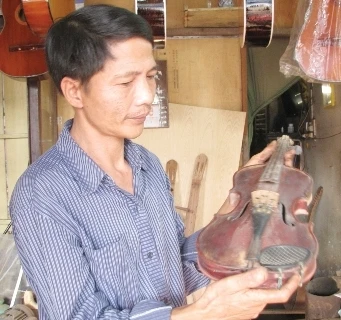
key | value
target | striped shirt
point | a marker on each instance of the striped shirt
(91, 250)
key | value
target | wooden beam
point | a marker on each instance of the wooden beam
(219, 32)
(224, 17)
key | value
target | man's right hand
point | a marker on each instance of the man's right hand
(236, 297)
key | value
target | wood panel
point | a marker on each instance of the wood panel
(64, 111)
(3, 182)
(214, 17)
(216, 133)
(48, 114)
(284, 13)
(205, 72)
(127, 4)
(13, 139)
(175, 13)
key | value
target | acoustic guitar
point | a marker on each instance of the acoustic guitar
(258, 22)
(318, 47)
(40, 14)
(22, 51)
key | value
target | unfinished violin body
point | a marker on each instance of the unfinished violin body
(269, 227)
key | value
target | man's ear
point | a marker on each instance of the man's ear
(71, 89)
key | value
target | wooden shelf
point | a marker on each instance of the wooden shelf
(214, 17)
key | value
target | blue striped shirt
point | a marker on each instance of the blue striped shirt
(91, 250)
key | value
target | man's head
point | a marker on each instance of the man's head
(77, 45)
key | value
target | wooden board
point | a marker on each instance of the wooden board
(48, 114)
(284, 13)
(127, 4)
(13, 139)
(216, 133)
(214, 17)
(205, 72)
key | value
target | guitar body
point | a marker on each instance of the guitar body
(318, 47)
(40, 14)
(258, 22)
(155, 13)
(21, 52)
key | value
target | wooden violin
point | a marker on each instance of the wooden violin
(268, 227)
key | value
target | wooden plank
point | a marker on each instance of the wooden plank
(48, 114)
(16, 165)
(15, 151)
(175, 13)
(205, 72)
(213, 132)
(284, 13)
(203, 32)
(214, 17)
(64, 111)
(127, 4)
(3, 182)
(15, 103)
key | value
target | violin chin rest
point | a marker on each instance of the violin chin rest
(283, 256)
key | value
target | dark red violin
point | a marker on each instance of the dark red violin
(267, 228)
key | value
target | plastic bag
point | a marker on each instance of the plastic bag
(314, 50)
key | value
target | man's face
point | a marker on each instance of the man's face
(118, 98)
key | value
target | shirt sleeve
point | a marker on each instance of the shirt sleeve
(59, 274)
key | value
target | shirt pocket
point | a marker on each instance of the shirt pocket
(114, 273)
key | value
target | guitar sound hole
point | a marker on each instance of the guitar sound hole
(20, 15)
(1, 22)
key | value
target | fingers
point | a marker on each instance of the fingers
(278, 295)
(230, 203)
(289, 157)
(263, 156)
(243, 281)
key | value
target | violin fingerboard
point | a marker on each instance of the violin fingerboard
(272, 172)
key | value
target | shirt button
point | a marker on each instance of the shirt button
(150, 255)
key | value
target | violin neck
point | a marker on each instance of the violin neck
(272, 172)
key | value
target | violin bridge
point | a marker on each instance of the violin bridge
(264, 201)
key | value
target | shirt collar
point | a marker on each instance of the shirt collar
(83, 169)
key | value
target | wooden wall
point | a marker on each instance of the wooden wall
(14, 156)
(14, 132)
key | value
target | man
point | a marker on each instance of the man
(94, 220)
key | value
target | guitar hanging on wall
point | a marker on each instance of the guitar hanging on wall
(21, 52)
(154, 11)
(40, 14)
(318, 47)
(24, 25)
(22, 40)
(258, 22)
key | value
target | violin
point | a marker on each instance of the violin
(269, 227)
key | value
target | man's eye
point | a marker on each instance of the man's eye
(126, 83)
(153, 76)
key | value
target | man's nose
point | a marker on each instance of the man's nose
(145, 92)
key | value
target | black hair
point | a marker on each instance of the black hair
(77, 44)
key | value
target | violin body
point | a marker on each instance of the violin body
(253, 235)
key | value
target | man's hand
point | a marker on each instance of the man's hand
(259, 158)
(236, 297)
(265, 154)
